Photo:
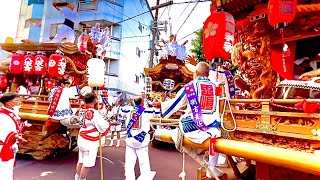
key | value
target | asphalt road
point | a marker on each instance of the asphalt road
(166, 161)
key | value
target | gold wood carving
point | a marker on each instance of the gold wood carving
(265, 128)
(252, 56)
(303, 122)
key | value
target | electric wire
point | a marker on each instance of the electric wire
(183, 11)
(128, 16)
(189, 34)
(151, 11)
(187, 17)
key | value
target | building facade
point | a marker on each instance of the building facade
(131, 37)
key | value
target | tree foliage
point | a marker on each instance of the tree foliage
(197, 49)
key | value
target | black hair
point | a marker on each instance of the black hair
(89, 98)
(63, 81)
(8, 97)
(138, 101)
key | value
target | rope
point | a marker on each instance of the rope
(308, 8)
(222, 115)
(179, 146)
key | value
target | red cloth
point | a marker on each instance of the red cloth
(307, 107)
(7, 153)
(283, 67)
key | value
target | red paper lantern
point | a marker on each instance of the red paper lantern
(40, 65)
(57, 65)
(16, 64)
(218, 35)
(3, 81)
(28, 63)
(281, 11)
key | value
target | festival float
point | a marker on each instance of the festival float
(276, 124)
(165, 79)
(44, 64)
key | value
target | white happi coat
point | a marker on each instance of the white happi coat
(209, 103)
(92, 123)
(141, 125)
(220, 79)
(63, 110)
(7, 128)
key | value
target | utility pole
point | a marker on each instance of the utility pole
(154, 35)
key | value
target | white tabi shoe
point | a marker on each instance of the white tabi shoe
(147, 176)
(111, 143)
(118, 144)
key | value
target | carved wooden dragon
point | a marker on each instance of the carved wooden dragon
(252, 55)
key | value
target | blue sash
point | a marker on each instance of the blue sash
(105, 101)
(137, 112)
(230, 84)
(195, 106)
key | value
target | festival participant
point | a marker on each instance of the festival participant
(10, 131)
(59, 97)
(201, 119)
(137, 141)
(92, 123)
(116, 116)
(66, 30)
(147, 102)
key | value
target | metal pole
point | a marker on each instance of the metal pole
(154, 35)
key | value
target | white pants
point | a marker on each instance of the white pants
(131, 158)
(64, 32)
(68, 124)
(6, 169)
(213, 161)
(116, 128)
(87, 156)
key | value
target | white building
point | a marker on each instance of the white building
(131, 38)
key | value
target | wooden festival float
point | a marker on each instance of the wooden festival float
(165, 79)
(44, 69)
(278, 123)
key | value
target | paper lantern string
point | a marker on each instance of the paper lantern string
(285, 50)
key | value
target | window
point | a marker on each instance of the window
(138, 52)
(33, 23)
(83, 5)
(137, 79)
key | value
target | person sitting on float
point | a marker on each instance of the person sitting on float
(59, 99)
(201, 120)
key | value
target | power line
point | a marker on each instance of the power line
(187, 17)
(183, 11)
(128, 16)
(192, 1)
(154, 9)
(129, 37)
(189, 34)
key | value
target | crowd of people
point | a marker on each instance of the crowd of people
(200, 122)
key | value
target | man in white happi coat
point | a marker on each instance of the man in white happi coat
(59, 99)
(92, 123)
(201, 119)
(66, 30)
(138, 138)
(10, 133)
(116, 116)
